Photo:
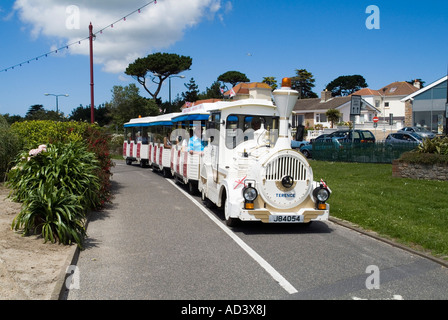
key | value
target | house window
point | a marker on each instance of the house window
(321, 117)
(386, 104)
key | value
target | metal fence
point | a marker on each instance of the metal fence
(377, 152)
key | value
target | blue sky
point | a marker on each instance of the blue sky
(256, 37)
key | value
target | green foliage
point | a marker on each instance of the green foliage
(430, 152)
(333, 116)
(127, 103)
(271, 81)
(192, 94)
(37, 132)
(161, 64)
(346, 85)
(303, 82)
(9, 147)
(437, 145)
(95, 138)
(57, 185)
(233, 77)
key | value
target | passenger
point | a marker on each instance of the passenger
(167, 142)
(196, 145)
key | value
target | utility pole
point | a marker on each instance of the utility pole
(92, 100)
(446, 104)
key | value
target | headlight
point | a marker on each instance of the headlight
(321, 194)
(250, 194)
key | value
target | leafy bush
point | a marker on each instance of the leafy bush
(34, 133)
(438, 145)
(9, 147)
(430, 152)
(57, 185)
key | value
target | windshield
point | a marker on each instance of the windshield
(240, 128)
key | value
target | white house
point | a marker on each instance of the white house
(388, 100)
(310, 112)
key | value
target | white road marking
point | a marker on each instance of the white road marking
(263, 263)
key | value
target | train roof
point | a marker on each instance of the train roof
(163, 119)
(138, 122)
(197, 112)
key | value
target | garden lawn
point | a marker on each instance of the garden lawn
(413, 212)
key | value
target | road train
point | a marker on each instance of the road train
(237, 154)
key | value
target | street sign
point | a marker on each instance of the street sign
(376, 119)
(355, 107)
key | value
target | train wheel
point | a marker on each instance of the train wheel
(166, 173)
(192, 189)
(207, 202)
(230, 222)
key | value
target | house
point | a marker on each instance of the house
(254, 90)
(427, 106)
(388, 99)
(311, 112)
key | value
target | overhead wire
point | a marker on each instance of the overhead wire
(67, 46)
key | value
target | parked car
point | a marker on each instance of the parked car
(307, 149)
(400, 138)
(298, 144)
(424, 133)
(338, 138)
(363, 136)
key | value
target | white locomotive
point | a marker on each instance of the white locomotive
(247, 166)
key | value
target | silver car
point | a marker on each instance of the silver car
(403, 138)
(424, 133)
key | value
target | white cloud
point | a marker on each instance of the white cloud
(155, 28)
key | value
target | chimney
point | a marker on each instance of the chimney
(325, 96)
(285, 99)
(417, 84)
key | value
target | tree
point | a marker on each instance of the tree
(233, 77)
(346, 85)
(34, 109)
(304, 83)
(37, 112)
(214, 92)
(422, 83)
(127, 103)
(333, 116)
(161, 66)
(192, 94)
(101, 114)
(271, 82)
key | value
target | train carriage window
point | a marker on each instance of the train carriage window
(145, 139)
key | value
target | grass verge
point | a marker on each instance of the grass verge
(413, 212)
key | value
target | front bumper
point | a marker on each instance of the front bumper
(303, 216)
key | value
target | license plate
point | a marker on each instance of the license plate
(285, 219)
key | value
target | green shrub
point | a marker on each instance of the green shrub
(35, 133)
(438, 145)
(430, 152)
(54, 213)
(9, 147)
(57, 185)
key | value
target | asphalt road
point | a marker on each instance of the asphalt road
(158, 243)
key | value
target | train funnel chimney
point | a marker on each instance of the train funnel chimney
(285, 99)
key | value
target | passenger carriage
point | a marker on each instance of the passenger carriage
(136, 141)
(185, 166)
(160, 128)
